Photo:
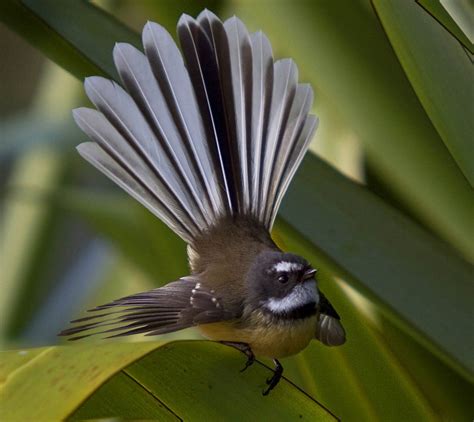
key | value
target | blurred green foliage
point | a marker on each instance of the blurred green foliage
(394, 90)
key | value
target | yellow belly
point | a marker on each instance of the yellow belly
(274, 340)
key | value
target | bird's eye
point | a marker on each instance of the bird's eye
(283, 278)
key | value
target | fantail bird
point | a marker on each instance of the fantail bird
(209, 145)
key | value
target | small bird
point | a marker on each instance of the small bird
(208, 141)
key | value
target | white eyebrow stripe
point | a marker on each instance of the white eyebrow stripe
(301, 295)
(285, 266)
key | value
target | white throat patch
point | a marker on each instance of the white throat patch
(285, 266)
(300, 295)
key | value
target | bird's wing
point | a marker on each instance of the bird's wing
(329, 330)
(180, 304)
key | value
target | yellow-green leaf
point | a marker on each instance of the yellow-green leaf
(440, 72)
(188, 379)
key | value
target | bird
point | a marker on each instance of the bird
(208, 139)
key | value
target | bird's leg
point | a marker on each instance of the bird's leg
(244, 348)
(275, 379)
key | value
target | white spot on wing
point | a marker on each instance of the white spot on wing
(300, 295)
(285, 266)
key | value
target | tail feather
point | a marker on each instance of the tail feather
(168, 66)
(262, 97)
(284, 90)
(224, 109)
(204, 73)
(240, 56)
(298, 152)
(220, 133)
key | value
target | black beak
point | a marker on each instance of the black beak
(310, 273)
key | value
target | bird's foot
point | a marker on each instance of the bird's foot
(275, 379)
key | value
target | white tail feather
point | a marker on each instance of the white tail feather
(261, 100)
(284, 88)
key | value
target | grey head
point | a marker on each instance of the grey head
(282, 284)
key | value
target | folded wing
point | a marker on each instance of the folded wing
(180, 304)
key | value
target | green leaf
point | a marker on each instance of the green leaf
(72, 33)
(440, 72)
(122, 396)
(167, 380)
(439, 12)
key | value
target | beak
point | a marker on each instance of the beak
(309, 274)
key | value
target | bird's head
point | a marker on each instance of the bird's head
(281, 283)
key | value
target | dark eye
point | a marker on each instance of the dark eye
(283, 278)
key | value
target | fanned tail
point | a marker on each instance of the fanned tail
(218, 134)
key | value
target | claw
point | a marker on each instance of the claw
(275, 379)
(250, 361)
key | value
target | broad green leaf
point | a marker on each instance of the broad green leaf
(438, 11)
(72, 33)
(122, 396)
(166, 12)
(342, 50)
(440, 72)
(56, 380)
(188, 380)
(453, 400)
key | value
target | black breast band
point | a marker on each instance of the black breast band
(301, 312)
